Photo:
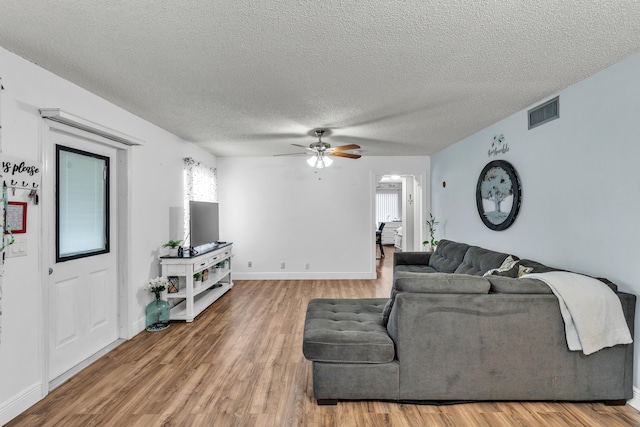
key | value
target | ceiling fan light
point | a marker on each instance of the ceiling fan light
(319, 161)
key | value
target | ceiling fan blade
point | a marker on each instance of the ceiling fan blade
(292, 154)
(347, 155)
(347, 147)
(306, 147)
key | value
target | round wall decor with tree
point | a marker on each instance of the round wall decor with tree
(498, 195)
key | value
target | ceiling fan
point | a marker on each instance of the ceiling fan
(320, 150)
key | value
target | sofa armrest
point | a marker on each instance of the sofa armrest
(411, 258)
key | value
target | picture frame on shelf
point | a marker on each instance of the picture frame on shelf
(205, 275)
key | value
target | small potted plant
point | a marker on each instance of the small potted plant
(197, 277)
(173, 247)
(432, 242)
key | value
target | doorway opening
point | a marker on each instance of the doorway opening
(399, 202)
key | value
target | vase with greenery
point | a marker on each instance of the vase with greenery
(173, 246)
(157, 311)
(432, 242)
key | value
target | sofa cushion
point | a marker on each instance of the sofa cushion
(448, 256)
(347, 330)
(478, 261)
(442, 283)
(508, 285)
(436, 283)
(411, 258)
(412, 270)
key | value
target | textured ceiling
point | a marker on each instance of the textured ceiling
(251, 77)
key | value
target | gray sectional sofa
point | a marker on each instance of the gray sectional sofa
(448, 334)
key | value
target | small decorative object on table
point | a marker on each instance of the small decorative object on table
(197, 277)
(174, 284)
(157, 311)
(432, 242)
(205, 275)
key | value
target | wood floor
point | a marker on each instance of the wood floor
(240, 363)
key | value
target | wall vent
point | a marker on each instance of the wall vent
(544, 113)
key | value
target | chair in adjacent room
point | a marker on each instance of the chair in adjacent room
(379, 238)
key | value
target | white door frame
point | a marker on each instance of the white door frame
(421, 204)
(123, 195)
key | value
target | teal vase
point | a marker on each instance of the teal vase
(157, 315)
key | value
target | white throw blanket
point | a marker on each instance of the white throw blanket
(592, 312)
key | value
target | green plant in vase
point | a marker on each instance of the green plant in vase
(173, 247)
(432, 242)
(197, 277)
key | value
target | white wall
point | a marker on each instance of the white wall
(580, 182)
(156, 187)
(278, 209)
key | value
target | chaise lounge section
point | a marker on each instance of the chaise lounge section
(448, 334)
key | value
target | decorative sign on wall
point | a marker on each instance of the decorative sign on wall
(21, 173)
(16, 214)
(498, 195)
(498, 146)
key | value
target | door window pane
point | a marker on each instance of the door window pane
(82, 204)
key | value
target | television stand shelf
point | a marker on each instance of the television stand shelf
(197, 296)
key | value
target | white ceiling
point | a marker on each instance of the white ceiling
(398, 77)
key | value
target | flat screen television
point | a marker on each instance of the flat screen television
(204, 226)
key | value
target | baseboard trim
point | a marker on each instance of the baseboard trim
(61, 379)
(635, 401)
(303, 276)
(20, 403)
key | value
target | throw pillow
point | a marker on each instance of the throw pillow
(524, 270)
(509, 268)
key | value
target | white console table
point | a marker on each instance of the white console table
(197, 298)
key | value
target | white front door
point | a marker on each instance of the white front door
(83, 289)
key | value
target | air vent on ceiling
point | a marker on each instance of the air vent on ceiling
(544, 113)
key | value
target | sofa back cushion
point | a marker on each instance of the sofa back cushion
(508, 285)
(436, 283)
(442, 283)
(448, 256)
(478, 261)
(412, 270)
